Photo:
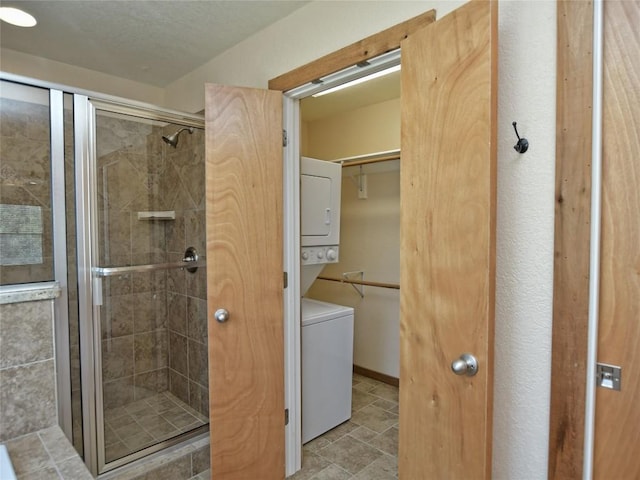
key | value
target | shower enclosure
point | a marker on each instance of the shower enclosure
(124, 235)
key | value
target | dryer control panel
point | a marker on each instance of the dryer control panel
(319, 255)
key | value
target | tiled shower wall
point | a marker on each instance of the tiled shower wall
(153, 324)
(25, 178)
(186, 291)
(27, 368)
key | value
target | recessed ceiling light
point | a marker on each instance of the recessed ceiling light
(17, 17)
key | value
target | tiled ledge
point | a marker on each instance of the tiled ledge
(30, 292)
(188, 460)
(46, 454)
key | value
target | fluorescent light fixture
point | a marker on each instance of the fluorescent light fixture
(379, 74)
(17, 17)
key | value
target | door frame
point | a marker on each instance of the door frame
(572, 239)
(348, 56)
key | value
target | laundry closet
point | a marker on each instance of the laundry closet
(360, 126)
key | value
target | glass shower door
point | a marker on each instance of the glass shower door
(152, 375)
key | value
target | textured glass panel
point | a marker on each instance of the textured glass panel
(26, 241)
(150, 206)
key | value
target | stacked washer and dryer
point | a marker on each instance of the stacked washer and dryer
(327, 329)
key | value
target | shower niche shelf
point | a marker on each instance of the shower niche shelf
(166, 215)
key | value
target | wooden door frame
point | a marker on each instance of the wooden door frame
(369, 47)
(574, 95)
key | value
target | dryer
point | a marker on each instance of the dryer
(320, 190)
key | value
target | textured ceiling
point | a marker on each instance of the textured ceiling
(154, 42)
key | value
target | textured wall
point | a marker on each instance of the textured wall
(370, 241)
(524, 284)
(19, 63)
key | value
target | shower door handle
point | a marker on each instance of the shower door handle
(221, 315)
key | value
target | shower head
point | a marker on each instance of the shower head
(173, 139)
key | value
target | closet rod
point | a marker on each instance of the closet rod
(394, 286)
(369, 158)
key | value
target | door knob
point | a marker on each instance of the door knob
(221, 315)
(465, 365)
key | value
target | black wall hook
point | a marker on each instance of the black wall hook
(523, 144)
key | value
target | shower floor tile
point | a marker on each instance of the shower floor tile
(143, 423)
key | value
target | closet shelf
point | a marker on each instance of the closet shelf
(369, 158)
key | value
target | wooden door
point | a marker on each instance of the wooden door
(244, 276)
(617, 428)
(448, 188)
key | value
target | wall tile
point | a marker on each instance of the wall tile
(177, 469)
(149, 311)
(118, 284)
(26, 333)
(56, 443)
(27, 399)
(149, 282)
(150, 351)
(49, 473)
(175, 234)
(117, 358)
(117, 316)
(150, 383)
(195, 228)
(197, 319)
(74, 469)
(196, 283)
(117, 238)
(179, 386)
(177, 313)
(28, 454)
(178, 353)
(118, 392)
(147, 237)
(200, 460)
(199, 398)
(176, 279)
(198, 363)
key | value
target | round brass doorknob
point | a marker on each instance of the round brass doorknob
(221, 315)
(465, 365)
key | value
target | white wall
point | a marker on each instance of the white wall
(524, 290)
(40, 68)
(370, 242)
(527, 68)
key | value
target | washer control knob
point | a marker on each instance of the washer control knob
(331, 254)
(305, 255)
(320, 254)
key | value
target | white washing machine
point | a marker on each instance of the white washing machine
(327, 363)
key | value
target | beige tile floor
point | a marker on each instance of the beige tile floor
(139, 424)
(363, 448)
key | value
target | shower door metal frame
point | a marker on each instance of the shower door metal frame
(59, 236)
(89, 279)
